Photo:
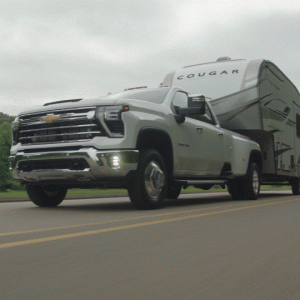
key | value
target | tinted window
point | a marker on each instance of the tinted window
(207, 117)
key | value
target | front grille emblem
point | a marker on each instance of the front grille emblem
(50, 118)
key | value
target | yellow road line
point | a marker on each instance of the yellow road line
(111, 221)
(124, 227)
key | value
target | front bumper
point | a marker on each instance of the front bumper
(84, 165)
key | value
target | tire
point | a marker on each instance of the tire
(295, 186)
(234, 189)
(173, 191)
(148, 188)
(251, 183)
(46, 196)
(246, 188)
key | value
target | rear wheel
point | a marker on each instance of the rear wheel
(46, 196)
(173, 191)
(251, 183)
(148, 188)
(295, 186)
(248, 187)
(234, 189)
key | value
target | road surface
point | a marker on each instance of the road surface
(201, 246)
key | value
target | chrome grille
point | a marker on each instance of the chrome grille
(59, 126)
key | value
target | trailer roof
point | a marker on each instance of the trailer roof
(219, 78)
(220, 59)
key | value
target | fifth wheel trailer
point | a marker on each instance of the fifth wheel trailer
(254, 98)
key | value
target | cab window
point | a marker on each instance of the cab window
(207, 117)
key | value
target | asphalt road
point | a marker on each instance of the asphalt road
(203, 246)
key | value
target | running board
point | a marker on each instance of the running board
(195, 182)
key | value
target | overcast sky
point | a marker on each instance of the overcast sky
(64, 49)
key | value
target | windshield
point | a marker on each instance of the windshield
(150, 95)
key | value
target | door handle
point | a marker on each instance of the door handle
(220, 134)
(199, 129)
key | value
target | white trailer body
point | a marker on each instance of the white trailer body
(255, 98)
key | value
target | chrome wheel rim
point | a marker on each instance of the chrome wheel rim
(255, 181)
(155, 180)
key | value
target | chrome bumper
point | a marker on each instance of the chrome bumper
(100, 165)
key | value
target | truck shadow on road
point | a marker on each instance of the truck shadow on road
(185, 200)
(203, 199)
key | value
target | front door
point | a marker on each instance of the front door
(200, 143)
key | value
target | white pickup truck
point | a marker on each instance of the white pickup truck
(151, 141)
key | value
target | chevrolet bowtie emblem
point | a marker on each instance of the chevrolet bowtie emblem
(50, 118)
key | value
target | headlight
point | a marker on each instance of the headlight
(110, 118)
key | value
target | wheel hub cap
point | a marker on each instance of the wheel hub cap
(255, 182)
(154, 179)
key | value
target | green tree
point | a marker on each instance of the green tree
(5, 118)
(5, 144)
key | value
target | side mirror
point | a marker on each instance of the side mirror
(197, 101)
(196, 106)
(189, 111)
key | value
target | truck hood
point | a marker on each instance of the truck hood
(69, 104)
(65, 104)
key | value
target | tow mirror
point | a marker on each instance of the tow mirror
(188, 111)
(196, 106)
(197, 101)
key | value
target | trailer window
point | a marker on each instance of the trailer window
(298, 125)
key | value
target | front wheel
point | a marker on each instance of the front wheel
(46, 196)
(148, 188)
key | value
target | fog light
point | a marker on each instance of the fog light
(115, 162)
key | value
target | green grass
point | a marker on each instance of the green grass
(71, 192)
(13, 194)
(18, 194)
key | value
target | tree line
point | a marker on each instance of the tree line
(6, 118)
(6, 181)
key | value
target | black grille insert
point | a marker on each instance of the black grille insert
(76, 164)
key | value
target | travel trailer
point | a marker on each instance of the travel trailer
(254, 98)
